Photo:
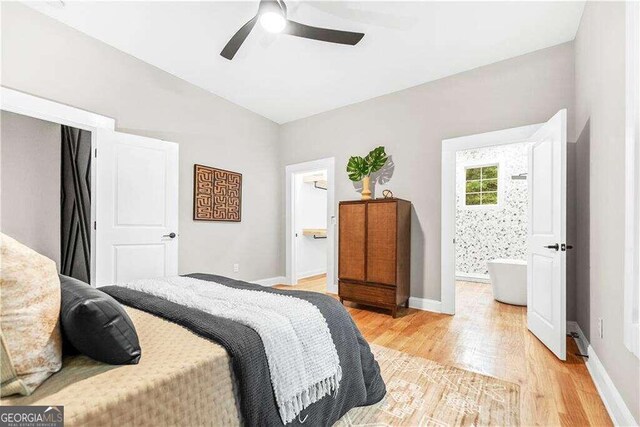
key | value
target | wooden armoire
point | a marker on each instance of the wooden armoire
(375, 252)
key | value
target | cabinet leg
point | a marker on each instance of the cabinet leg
(394, 311)
(406, 303)
(341, 301)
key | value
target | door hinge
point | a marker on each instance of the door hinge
(95, 153)
(95, 225)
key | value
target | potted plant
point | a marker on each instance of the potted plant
(360, 169)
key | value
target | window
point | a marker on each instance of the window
(481, 185)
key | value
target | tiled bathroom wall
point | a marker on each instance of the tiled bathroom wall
(484, 233)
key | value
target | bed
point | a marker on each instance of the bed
(200, 370)
(190, 388)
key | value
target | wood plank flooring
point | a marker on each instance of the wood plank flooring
(491, 338)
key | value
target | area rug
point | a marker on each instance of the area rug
(421, 392)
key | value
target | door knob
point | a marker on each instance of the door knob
(556, 247)
(170, 235)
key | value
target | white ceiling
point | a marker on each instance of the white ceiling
(285, 78)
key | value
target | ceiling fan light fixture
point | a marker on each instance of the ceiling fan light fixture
(273, 22)
(272, 15)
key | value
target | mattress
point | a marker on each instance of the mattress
(182, 379)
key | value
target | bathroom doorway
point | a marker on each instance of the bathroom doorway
(491, 220)
(478, 222)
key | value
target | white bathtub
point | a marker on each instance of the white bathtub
(509, 280)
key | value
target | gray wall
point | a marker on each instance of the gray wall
(571, 231)
(30, 182)
(412, 123)
(582, 249)
(43, 57)
(600, 105)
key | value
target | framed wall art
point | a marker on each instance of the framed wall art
(217, 194)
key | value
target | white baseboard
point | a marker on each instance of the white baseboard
(613, 401)
(310, 273)
(425, 304)
(473, 277)
(271, 281)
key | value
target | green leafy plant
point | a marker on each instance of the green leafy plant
(359, 167)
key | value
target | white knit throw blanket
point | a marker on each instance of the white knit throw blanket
(303, 360)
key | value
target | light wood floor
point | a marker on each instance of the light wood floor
(491, 338)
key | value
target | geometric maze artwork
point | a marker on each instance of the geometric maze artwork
(217, 194)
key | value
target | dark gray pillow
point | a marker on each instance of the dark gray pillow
(96, 325)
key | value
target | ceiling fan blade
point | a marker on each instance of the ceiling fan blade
(238, 38)
(323, 34)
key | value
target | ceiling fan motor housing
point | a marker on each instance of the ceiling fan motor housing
(272, 15)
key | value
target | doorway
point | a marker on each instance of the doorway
(47, 182)
(310, 223)
(545, 265)
(138, 239)
(491, 216)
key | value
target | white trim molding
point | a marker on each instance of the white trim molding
(613, 401)
(631, 329)
(271, 281)
(40, 108)
(448, 207)
(311, 273)
(425, 304)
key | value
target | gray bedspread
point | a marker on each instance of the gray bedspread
(361, 381)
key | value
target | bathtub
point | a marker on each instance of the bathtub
(509, 280)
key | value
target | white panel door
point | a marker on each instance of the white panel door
(546, 269)
(136, 208)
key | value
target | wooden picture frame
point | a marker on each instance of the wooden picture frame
(217, 194)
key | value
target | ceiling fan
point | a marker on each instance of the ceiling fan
(272, 15)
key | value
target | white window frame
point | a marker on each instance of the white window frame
(631, 328)
(463, 187)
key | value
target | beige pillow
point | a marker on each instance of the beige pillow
(31, 344)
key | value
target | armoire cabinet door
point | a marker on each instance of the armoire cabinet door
(352, 242)
(381, 243)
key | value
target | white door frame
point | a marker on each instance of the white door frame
(448, 211)
(28, 105)
(290, 236)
